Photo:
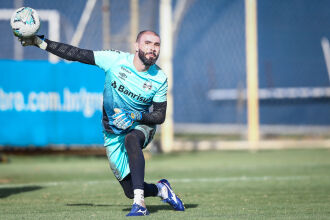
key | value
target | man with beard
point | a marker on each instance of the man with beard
(133, 83)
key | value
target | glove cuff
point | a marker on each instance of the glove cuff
(40, 42)
(136, 116)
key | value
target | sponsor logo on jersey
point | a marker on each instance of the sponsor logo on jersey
(113, 84)
(126, 70)
(147, 86)
(122, 89)
(117, 51)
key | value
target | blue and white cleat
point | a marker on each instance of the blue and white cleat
(171, 198)
(138, 210)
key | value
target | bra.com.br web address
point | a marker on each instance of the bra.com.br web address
(82, 101)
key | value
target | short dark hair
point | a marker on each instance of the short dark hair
(142, 32)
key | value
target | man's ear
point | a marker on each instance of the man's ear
(136, 45)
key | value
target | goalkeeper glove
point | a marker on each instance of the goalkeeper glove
(124, 119)
(34, 40)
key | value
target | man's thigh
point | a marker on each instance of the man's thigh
(117, 155)
(116, 151)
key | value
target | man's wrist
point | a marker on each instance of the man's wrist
(136, 116)
(40, 42)
(42, 45)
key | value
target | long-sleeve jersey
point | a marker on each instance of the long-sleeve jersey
(124, 86)
(127, 88)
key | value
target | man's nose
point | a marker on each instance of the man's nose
(152, 48)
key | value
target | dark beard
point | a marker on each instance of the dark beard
(145, 60)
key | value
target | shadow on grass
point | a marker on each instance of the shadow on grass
(156, 208)
(5, 192)
(151, 208)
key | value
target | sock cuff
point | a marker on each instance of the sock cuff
(138, 192)
(139, 196)
(159, 187)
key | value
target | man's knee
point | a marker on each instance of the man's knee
(134, 139)
(131, 137)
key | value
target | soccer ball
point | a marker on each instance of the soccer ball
(25, 22)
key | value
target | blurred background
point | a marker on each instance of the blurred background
(45, 101)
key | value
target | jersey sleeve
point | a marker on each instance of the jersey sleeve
(161, 94)
(69, 52)
(106, 58)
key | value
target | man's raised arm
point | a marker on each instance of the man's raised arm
(62, 50)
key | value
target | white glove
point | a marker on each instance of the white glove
(33, 41)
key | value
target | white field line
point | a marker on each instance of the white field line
(183, 180)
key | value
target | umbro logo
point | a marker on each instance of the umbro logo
(122, 75)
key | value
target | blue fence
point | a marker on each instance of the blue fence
(291, 55)
(209, 54)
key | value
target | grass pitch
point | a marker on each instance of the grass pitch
(281, 184)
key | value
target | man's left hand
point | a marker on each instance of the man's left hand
(124, 119)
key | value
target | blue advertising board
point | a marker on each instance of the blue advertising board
(49, 104)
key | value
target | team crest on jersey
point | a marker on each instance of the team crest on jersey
(147, 86)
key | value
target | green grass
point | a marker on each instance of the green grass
(282, 184)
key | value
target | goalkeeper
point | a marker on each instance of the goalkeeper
(133, 83)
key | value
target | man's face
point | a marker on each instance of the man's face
(148, 48)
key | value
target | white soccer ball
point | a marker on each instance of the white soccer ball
(25, 22)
